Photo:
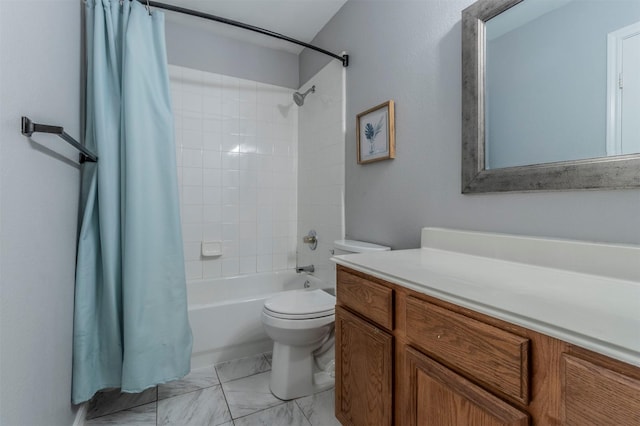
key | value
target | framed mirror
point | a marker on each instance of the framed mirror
(542, 86)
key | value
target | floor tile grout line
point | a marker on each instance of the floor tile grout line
(267, 359)
(244, 377)
(224, 395)
(186, 393)
(263, 409)
(191, 391)
(302, 411)
(252, 374)
(157, 403)
(281, 402)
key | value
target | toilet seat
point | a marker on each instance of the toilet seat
(300, 305)
(296, 324)
(300, 316)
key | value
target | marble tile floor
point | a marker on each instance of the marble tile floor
(232, 393)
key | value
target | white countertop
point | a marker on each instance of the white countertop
(600, 313)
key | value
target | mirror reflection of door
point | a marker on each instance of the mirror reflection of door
(623, 126)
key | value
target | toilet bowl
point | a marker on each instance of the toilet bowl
(300, 322)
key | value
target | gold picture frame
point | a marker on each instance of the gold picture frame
(375, 125)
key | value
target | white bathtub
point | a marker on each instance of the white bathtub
(225, 313)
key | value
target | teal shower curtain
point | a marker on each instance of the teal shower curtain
(131, 329)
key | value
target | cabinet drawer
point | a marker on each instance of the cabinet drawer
(595, 395)
(371, 300)
(482, 352)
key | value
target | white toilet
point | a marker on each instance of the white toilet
(301, 324)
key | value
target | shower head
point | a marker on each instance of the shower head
(298, 97)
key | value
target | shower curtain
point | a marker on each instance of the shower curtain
(131, 329)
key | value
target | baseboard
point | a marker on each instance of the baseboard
(81, 415)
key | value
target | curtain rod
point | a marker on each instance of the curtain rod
(344, 58)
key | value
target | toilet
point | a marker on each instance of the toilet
(301, 325)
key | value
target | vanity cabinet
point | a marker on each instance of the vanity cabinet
(409, 359)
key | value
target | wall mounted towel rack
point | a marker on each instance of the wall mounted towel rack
(29, 128)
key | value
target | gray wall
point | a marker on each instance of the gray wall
(547, 84)
(192, 46)
(39, 77)
(409, 51)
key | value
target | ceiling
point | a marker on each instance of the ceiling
(299, 19)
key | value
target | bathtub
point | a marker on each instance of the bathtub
(225, 313)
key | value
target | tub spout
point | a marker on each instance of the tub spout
(308, 268)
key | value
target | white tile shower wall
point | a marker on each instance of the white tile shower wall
(237, 154)
(321, 168)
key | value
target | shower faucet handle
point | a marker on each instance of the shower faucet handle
(311, 239)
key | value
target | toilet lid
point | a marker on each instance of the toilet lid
(302, 303)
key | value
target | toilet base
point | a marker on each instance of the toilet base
(293, 373)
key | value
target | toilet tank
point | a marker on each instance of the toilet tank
(352, 246)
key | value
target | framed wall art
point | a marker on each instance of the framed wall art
(375, 134)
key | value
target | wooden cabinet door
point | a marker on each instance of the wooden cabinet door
(439, 397)
(363, 372)
(593, 395)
